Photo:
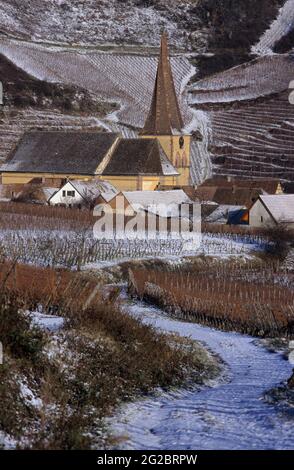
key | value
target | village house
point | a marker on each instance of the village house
(270, 211)
(159, 156)
(80, 193)
(234, 197)
(162, 203)
(166, 209)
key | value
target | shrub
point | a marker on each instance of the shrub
(20, 339)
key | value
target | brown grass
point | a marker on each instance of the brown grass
(17, 216)
(254, 301)
(106, 355)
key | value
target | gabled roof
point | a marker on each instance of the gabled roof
(164, 117)
(48, 192)
(60, 152)
(281, 207)
(94, 189)
(139, 157)
(163, 203)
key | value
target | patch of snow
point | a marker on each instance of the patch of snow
(29, 397)
(278, 29)
(7, 442)
(228, 415)
(47, 322)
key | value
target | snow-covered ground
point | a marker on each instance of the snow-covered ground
(230, 414)
(91, 21)
(51, 323)
(278, 29)
(127, 79)
(72, 248)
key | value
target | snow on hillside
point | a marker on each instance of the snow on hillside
(125, 78)
(278, 29)
(90, 21)
(260, 77)
(250, 118)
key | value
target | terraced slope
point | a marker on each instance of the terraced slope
(255, 140)
(124, 78)
(260, 77)
(250, 117)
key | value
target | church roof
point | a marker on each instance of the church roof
(164, 117)
(139, 156)
(60, 152)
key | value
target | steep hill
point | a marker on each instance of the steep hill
(84, 58)
(198, 25)
(250, 118)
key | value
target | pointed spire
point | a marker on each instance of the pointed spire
(164, 116)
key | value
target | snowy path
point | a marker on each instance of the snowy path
(229, 415)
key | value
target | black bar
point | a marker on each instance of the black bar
(132, 459)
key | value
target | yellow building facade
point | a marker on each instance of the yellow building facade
(178, 150)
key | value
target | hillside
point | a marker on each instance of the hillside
(251, 118)
(198, 25)
(34, 103)
(104, 67)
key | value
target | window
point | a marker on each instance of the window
(63, 193)
(181, 142)
(261, 218)
(71, 193)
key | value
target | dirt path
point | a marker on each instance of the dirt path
(230, 414)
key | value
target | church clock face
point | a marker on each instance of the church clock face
(181, 142)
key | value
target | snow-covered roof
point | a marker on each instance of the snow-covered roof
(133, 157)
(95, 188)
(49, 192)
(167, 168)
(280, 206)
(60, 152)
(162, 203)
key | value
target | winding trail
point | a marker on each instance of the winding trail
(230, 414)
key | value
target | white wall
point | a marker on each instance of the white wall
(259, 216)
(58, 198)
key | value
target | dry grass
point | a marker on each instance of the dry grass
(246, 298)
(22, 216)
(101, 358)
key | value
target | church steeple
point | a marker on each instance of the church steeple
(164, 116)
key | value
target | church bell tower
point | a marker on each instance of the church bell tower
(165, 121)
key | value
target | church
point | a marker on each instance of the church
(160, 156)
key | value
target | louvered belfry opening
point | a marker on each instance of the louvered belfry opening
(164, 116)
